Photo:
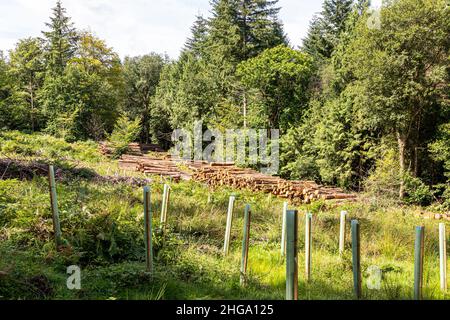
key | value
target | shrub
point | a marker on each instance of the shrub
(417, 192)
(125, 131)
(385, 178)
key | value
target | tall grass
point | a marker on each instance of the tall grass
(103, 227)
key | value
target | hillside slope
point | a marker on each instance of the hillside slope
(102, 225)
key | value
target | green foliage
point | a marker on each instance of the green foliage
(184, 92)
(26, 73)
(142, 76)
(40, 146)
(385, 179)
(417, 192)
(5, 92)
(272, 74)
(125, 131)
(402, 70)
(61, 40)
(440, 149)
(79, 105)
(378, 86)
(103, 226)
(199, 34)
(325, 29)
(203, 84)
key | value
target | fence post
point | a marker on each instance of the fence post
(245, 244)
(54, 205)
(283, 230)
(291, 255)
(308, 241)
(356, 253)
(164, 205)
(443, 256)
(342, 232)
(226, 246)
(148, 230)
(418, 262)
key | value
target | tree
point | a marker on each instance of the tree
(125, 132)
(238, 30)
(79, 105)
(440, 150)
(259, 26)
(183, 92)
(402, 71)
(5, 92)
(95, 57)
(199, 35)
(326, 29)
(273, 74)
(142, 76)
(61, 40)
(27, 72)
(83, 102)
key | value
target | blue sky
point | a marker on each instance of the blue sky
(134, 27)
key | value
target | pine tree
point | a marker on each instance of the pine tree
(199, 35)
(315, 43)
(61, 40)
(326, 29)
(223, 48)
(362, 5)
(27, 68)
(260, 27)
(238, 30)
(242, 29)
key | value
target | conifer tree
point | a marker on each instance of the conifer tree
(61, 40)
(326, 29)
(259, 25)
(199, 34)
(27, 68)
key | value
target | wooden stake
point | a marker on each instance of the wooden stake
(443, 256)
(342, 232)
(308, 242)
(54, 205)
(164, 205)
(245, 244)
(226, 246)
(418, 262)
(148, 230)
(291, 255)
(356, 253)
(283, 230)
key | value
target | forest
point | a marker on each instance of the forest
(359, 107)
(362, 105)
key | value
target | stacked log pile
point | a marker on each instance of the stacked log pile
(226, 174)
(134, 149)
(105, 149)
(154, 166)
(297, 191)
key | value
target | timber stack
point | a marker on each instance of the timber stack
(218, 174)
(164, 167)
(297, 192)
(134, 149)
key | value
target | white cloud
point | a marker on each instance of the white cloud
(134, 27)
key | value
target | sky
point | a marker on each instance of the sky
(135, 27)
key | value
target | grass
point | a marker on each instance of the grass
(102, 224)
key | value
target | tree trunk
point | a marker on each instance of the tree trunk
(32, 105)
(401, 151)
(245, 111)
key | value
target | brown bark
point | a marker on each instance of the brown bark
(401, 152)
